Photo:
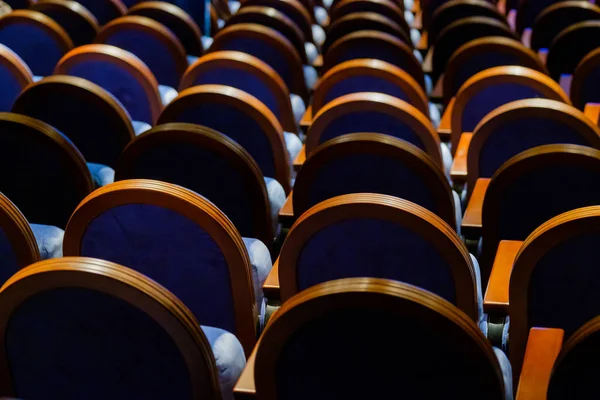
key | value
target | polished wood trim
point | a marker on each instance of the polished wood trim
(399, 211)
(274, 39)
(127, 285)
(379, 102)
(388, 8)
(496, 298)
(306, 119)
(197, 209)
(41, 20)
(459, 171)
(592, 112)
(370, 67)
(75, 10)
(494, 44)
(293, 9)
(543, 347)
(245, 103)
(583, 70)
(245, 389)
(286, 213)
(124, 59)
(498, 75)
(17, 67)
(300, 159)
(18, 232)
(444, 129)
(560, 50)
(116, 7)
(472, 221)
(261, 70)
(271, 287)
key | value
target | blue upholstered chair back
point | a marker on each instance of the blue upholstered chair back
(103, 11)
(11, 88)
(492, 97)
(151, 49)
(34, 44)
(529, 10)
(364, 83)
(73, 343)
(118, 81)
(589, 91)
(8, 259)
(518, 135)
(197, 9)
(370, 247)
(170, 249)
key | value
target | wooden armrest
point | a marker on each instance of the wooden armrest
(318, 62)
(458, 172)
(245, 388)
(565, 83)
(543, 347)
(306, 119)
(416, 6)
(592, 111)
(286, 213)
(496, 295)
(501, 6)
(428, 62)
(422, 45)
(271, 285)
(526, 37)
(437, 92)
(300, 158)
(471, 223)
(418, 21)
(445, 128)
(543, 55)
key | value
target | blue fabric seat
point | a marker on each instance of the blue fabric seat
(49, 240)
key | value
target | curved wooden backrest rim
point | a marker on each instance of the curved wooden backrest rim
(564, 6)
(587, 330)
(247, 62)
(276, 39)
(168, 8)
(320, 300)
(481, 20)
(249, 105)
(589, 63)
(126, 284)
(68, 148)
(55, 30)
(403, 48)
(382, 145)
(152, 27)
(392, 209)
(572, 28)
(121, 58)
(192, 206)
(198, 135)
(393, 10)
(73, 7)
(293, 6)
(523, 109)
(504, 74)
(373, 67)
(16, 65)
(496, 44)
(456, 3)
(91, 87)
(18, 232)
(344, 105)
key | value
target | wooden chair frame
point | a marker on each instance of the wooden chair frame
(12, 62)
(18, 232)
(563, 55)
(115, 8)
(75, 10)
(293, 9)
(386, 8)
(585, 67)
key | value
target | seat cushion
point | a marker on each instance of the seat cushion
(191, 59)
(207, 41)
(321, 15)
(140, 127)
(506, 369)
(311, 52)
(446, 158)
(298, 107)
(310, 76)
(101, 174)
(49, 240)
(318, 35)
(457, 210)
(482, 316)
(234, 6)
(293, 144)
(229, 357)
(435, 115)
(260, 259)
(167, 94)
(276, 196)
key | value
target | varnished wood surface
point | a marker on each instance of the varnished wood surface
(472, 221)
(496, 298)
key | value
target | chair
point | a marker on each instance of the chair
(116, 332)
(244, 119)
(489, 89)
(43, 173)
(528, 11)
(19, 4)
(15, 75)
(79, 23)
(550, 277)
(364, 21)
(176, 20)
(304, 350)
(36, 38)
(518, 126)
(269, 46)
(571, 46)
(481, 54)
(87, 114)
(374, 163)
(180, 240)
(459, 33)
(152, 42)
(122, 74)
(211, 164)
(584, 87)
(247, 73)
(105, 10)
(559, 16)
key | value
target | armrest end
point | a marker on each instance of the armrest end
(592, 111)
(496, 296)
(306, 119)
(245, 389)
(300, 158)
(286, 213)
(318, 62)
(445, 128)
(422, 45)
(459, 171)
(472, 224)
(271, 286)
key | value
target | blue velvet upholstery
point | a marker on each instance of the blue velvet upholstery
(101, 174)
(49, 240)
(140, 127)
(170, 249)
(119, 82)
(276, 196)
(167, 94)
(564, 291)
(229, 357)
(298, 107)
(196, 9)
(370, 121)
(310, 76)
(369, 247)
(261, 262)
(34, 45)
(103, 11)
(590, 88)
(492, 97)
(151, 50)
(240, 127)
(364, 83)
(108, 350)
(511, 138)
(369, 354)
(506, 372)
(8, 258)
